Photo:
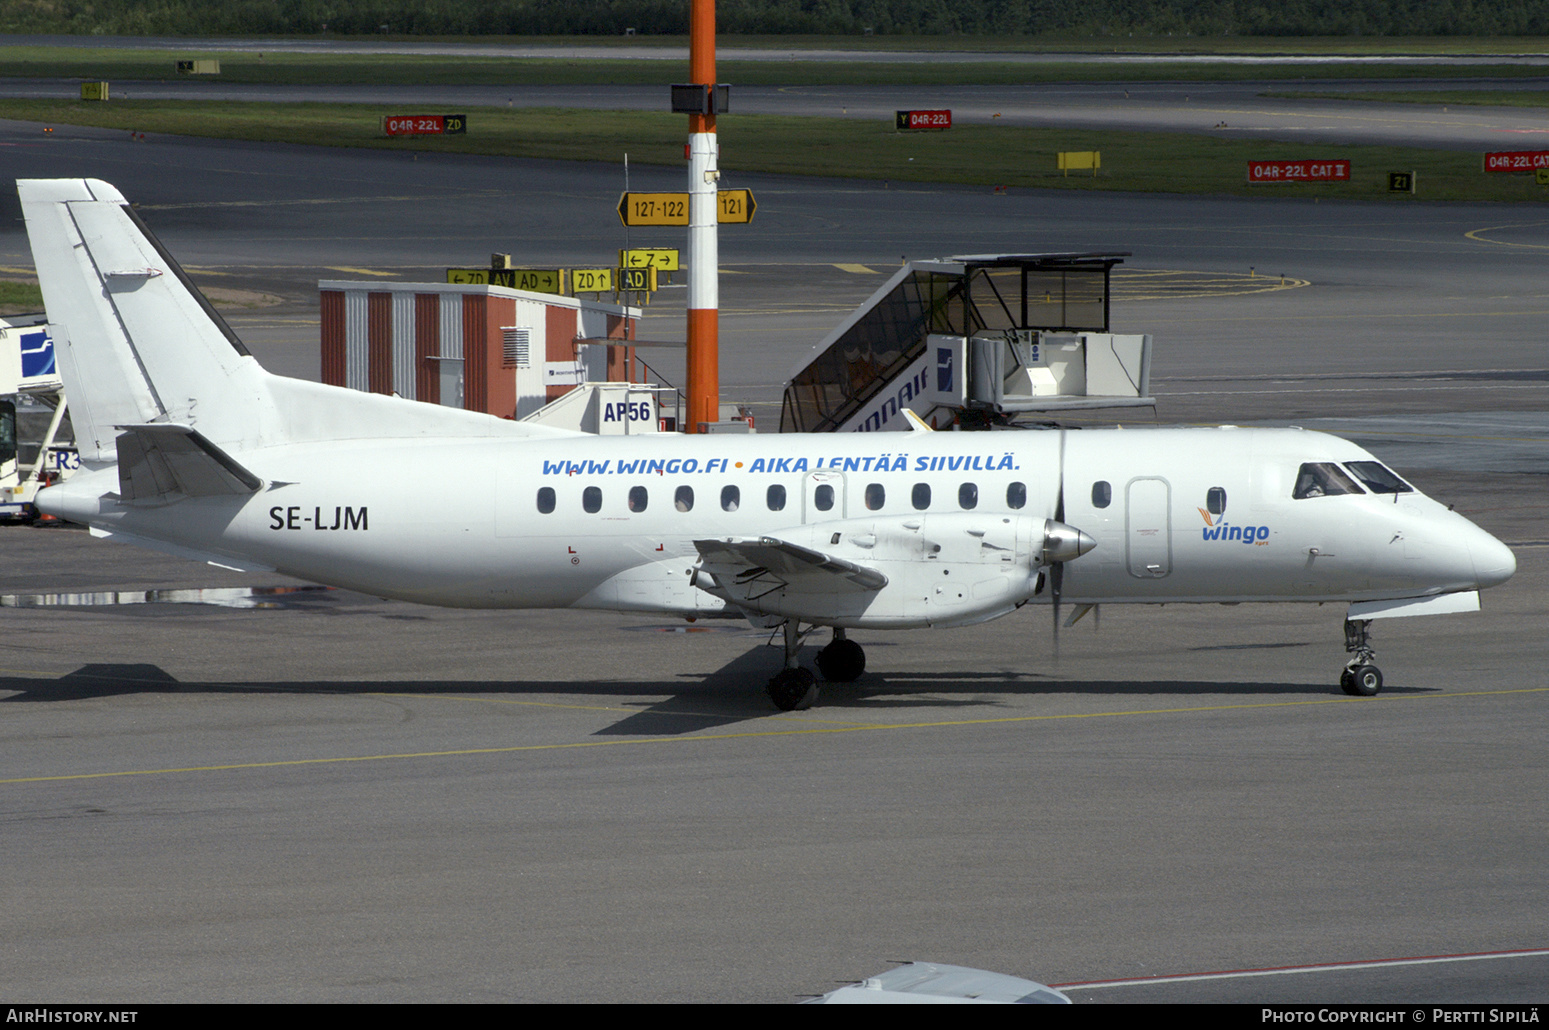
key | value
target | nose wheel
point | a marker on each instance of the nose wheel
(1361, 678)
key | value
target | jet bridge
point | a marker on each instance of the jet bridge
(974, 340)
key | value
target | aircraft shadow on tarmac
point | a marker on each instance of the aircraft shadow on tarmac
(731, 695)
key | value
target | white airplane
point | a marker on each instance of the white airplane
(189, 447)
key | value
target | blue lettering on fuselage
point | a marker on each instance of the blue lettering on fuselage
(1243, 534)
(873, 463)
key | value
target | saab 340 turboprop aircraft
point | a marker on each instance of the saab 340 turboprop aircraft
(191, 448)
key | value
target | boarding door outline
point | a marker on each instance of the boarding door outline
(1148, 526)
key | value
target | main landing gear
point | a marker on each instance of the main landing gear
(794, 688)
(1361, 678)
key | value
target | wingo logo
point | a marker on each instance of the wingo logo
(1252, 535)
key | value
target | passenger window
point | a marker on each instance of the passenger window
(968, 496)
(637, 498)
(920, 496)
(545, 499)
(683, 500)
(1379, 479)
(1323, 479)
(1016, 496)
(775, 498)
(731, 498)
(591, 499)
(823, 497)
(1102, 494)
(875, 496)
(1215, 500)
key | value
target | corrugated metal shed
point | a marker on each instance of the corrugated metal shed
(444, 344)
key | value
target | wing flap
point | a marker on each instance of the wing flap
(745, 569)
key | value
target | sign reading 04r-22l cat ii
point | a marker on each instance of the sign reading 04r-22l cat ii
(1337, 170)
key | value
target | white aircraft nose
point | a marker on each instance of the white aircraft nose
(1494, 563)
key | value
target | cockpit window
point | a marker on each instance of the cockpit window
(1323, 479)
(1379, 479)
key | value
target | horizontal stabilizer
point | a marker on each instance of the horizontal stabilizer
(749, 568)
(164, 461)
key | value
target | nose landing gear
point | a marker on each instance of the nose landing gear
(1361, 678)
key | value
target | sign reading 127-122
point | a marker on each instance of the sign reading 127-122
(1299, 171)
(732, 206)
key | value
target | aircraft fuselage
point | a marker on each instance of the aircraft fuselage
(612, 522)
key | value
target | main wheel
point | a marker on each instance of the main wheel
(793, 690)
(1365, 681)
(842, 661)
(1347, 682)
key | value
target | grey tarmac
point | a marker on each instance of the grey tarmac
(337, 798)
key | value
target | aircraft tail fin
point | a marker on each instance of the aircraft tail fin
(138, 345)
(136, 340)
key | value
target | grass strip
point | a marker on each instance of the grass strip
(13, 293)
(970, 155)
(19, 298)
(281, 68)
(1445, 98)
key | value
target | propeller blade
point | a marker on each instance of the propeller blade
(1059, 500)
(1056, 584)
(1057, 569)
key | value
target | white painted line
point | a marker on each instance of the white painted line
(1284, 970)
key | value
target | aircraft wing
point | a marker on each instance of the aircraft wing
(747, 568)
(162, 461)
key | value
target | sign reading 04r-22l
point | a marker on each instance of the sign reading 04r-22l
(733, 206)
(424, 124)
(914, 121)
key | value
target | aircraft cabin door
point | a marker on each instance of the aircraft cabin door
(822, 496)
(1148, 527)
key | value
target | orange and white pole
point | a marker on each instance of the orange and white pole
(704, 403)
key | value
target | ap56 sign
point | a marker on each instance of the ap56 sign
(1299, 171)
